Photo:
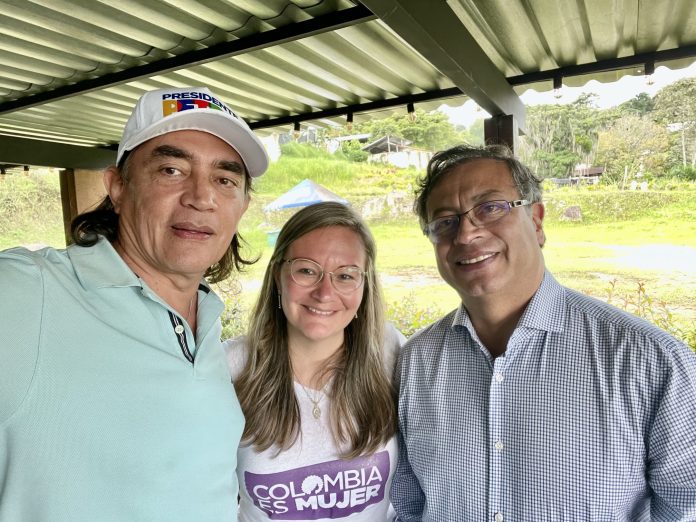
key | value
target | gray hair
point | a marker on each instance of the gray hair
(528, 185)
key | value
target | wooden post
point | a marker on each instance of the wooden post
(501, 130)
(80, 190)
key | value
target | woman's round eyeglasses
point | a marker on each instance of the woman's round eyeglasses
(307, 273)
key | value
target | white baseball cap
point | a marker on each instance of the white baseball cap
(192, 108)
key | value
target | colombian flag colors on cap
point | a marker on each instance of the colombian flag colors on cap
(193, 108)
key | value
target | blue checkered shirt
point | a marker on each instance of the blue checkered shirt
(590, 415)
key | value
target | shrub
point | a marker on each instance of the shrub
(408, 317)
(640, 303)
(685, 172)
(31, 210)
(235, 316)
(352, 151)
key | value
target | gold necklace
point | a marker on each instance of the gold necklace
(316, 410)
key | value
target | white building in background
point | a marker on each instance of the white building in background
(333, 144)
(396, 151)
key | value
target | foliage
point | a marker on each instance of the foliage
(685, 172)
(476, 133)
(561, 136)
(292, 149)
(675, 104)
(352, 150)
(427, 130)
(234, 320)
(640, 105)
(409, 317)
(31, 211)
(640, 303)
(234, 317)
(632, 147)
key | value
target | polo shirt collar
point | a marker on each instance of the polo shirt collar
(100, 266)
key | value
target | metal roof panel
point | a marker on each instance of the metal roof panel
(48, 45)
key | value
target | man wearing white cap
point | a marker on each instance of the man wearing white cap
(115, 401)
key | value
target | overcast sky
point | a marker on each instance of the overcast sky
(610, 94)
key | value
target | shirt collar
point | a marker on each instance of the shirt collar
(545, 311)
(100, 266)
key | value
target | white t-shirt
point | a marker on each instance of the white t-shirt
(309, 481)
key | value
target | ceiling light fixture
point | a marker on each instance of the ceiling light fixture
(557, 86)
(411, 111)
(649, 71)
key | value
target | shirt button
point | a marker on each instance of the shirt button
(499, 377)
(498, 517)
(499, 446)
(179, 329)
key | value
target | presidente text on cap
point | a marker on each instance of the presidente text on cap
(192, 108)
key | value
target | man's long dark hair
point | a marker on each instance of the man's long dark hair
(86, 228)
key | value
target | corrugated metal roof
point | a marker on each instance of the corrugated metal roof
(51, 43)
(525, 37)
(48, 45)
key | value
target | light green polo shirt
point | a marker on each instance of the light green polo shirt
(102, 415)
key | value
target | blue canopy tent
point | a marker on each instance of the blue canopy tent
(303, 194)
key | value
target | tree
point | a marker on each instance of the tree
(675, 105)
(352, 150)
(476, 132)
(640, 105)
(427, 130)
(630, 146)
(561, 136)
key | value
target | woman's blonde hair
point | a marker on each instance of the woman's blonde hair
(363, 411)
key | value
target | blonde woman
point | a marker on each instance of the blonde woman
(313, 377)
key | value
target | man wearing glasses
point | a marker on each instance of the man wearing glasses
(532, 401)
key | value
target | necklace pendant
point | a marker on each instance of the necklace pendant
(316, 411)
